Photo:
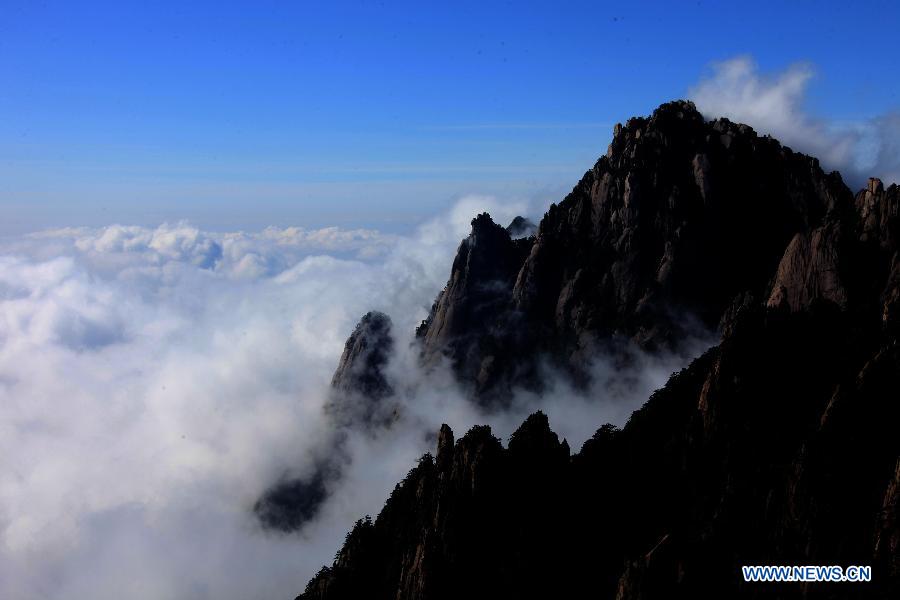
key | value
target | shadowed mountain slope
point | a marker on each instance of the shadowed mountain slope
(777, 446)
(679, 220)
(359, 400)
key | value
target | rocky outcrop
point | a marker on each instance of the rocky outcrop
(878, 227)
(520, 227)
(653, 245)
(474, 510)
(849, 260)
(359, 400)
(776, 446)
(360, 385)
(470, 316)
(877, 208)
(809, 270)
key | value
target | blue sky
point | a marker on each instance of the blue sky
(239, 115)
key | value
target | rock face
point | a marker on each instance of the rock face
(655, 242)
(476, 508)
(878, 227)
(359, 400)
(470, 319)
(778, 446)
(360, 384)
(810, 269)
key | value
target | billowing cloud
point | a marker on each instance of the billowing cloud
(153, 382)
(775, 104)
(237, 254)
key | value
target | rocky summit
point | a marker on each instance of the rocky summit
(778, 445)
(681, 219)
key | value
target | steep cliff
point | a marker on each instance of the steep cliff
(680, 218)
(360, 387)
(471, 322)
(777, 446)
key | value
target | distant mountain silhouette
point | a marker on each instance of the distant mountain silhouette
(359, 399)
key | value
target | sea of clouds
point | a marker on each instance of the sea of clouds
(154, 382)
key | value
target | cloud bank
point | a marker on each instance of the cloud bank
(776, 104)
(153, 382)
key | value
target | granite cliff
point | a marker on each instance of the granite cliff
(779, 445)
(680, 219)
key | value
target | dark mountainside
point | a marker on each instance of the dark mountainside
(359, 384)
(777, 446)
(670, 228)
(360, 393)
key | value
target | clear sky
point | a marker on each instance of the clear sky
(236, 115)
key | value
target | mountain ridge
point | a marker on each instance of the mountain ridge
(657, 240)
(776, 446)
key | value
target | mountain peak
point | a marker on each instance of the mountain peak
(521, 227)
(656, 242)
(750, 455)
(366, 352)
(483, 223)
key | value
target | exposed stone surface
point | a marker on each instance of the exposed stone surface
(653, 244)
(360, 384)
(460, 514)
(470, 316)
(777, 446)
(810, 269)
(878, 227)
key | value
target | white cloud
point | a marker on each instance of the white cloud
(776, 104)
(238, 254)
(153, 382)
